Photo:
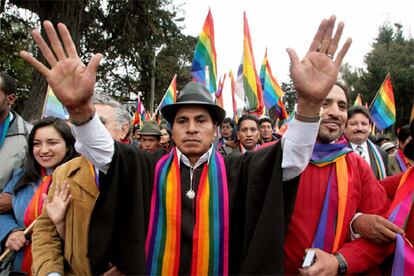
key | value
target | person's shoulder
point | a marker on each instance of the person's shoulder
(70, 166)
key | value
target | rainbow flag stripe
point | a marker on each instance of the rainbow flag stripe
(383, 107)
(272, 92)
(398, 213)
(358, 100)
(251, 82)
(219, 92)
(170, 94)
(211, 229)
(204, 66)
(53, 107)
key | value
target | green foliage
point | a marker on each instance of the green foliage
(127, 32)
(14, 36)
(391, 52)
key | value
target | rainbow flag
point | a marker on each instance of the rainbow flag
(137, 114)
(358, 100)
(272, 92)
(204, 66)
(219, 92)
(53, 107)
(170, 95)
(383, 106)
(233, 99)
(251, 82)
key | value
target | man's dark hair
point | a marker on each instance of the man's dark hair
(404, 133)
(8, 84)
(357, 109)
(229, 121)
(345, 89)
(247, 117)
(268, 120)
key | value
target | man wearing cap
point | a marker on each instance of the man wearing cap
(357, 130)
(150, 136)
(191, 203)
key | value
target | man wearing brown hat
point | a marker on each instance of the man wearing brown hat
(150, 136)
(190, 203)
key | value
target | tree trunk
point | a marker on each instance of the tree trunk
(69, 12)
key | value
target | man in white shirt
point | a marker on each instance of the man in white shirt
(357, 131)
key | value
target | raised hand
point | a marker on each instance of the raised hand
(315, 75)
(72, 81)
(56, 208)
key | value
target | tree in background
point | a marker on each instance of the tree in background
(391, 52)
(128, 34)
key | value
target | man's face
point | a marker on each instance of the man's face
(226, 130)
(357, 128)
(107, 114)
(149, 143)
(6, 101)
(334, 115)
(266, 131)
(248, 134)
(193, 131)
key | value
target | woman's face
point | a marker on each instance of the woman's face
(165, 137)
(49, 148)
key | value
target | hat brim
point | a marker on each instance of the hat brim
(217, 113)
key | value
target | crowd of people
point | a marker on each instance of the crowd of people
(200, 193)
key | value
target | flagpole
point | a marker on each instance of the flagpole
(376, 95)
(158, 107)
(45, 102)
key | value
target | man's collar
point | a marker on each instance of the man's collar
(205, 157)
(364, 146)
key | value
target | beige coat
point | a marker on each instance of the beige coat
(47, 247)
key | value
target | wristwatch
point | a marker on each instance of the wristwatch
(342, 265)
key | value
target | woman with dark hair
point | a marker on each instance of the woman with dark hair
(51, 143)
(166, 141)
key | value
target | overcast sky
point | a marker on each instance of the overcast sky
(291, 23)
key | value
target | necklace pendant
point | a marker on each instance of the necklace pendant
(190, 194)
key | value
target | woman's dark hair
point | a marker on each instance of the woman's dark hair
(32, 169)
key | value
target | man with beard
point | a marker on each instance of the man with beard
(335, 185)
(357, 130)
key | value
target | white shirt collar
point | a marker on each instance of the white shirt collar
(364, 147)
(205, 157)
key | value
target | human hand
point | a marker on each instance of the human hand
(16, 240)
(314, 76)
(56, 208)
(376, 228)
(113, 271)
(325, 264)
(71, 81)
(5, 202)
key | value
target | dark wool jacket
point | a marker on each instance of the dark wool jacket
(258, 202)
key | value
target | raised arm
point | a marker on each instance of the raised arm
(313, 78)
(73, 84)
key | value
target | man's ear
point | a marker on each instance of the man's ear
(11, 98)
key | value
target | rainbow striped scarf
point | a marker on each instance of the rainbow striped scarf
(401, 160)
(4, 127)
(378, 160)
(331, 222)
(211, 230)
(34, 210)
(398, 214)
